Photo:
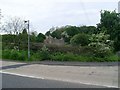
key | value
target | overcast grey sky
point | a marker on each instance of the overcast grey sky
(43, 14)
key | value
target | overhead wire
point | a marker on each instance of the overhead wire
(85, 13)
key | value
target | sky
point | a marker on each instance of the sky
(44, 14)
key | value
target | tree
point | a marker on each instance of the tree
(117, 39)
(80, 39)
(109, 20)
(14, 26)
(8, 41)
(87, 29)
(8, 38)
(23, 37)
(68, 32)
(72, 30)
(41, 37)
(24, 31)
(56, 34)
(33, 36)
(48, 33)
(110, 24)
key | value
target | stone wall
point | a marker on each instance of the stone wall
(54, 41)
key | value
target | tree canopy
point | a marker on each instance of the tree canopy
(110, 24)
(80, 39)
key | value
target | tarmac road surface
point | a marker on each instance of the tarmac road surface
(14, 81)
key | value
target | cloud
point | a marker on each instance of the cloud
(44, 14)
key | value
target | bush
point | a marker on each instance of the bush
(63, 49)
(101, 52)
(81, 50)
(69, 57)
(101, 44)
(80, 39)
(58, 56)
(0, 54)
(74, 57)
(44, 54)
(14, 55)
(6, 54)
(22, 55)
(112, 58)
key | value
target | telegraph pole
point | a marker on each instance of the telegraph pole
(28, 39)
(28, 42)
(0, 32)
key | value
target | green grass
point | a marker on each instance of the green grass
(14, 55)
(75, 57)
(0, 54)
(38, 56)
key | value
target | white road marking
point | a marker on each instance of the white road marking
(21, 75)
(55, 79)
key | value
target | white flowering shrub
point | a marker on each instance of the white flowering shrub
(101, 44)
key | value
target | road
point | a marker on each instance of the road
(14, 81)
(82, 75)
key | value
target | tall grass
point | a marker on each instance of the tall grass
(58, 56)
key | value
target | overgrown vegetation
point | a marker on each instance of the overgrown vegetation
(58, 56)
(83, 43)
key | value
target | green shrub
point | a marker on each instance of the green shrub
(56, 57)
(14, 55)
(44, 53)
(0, 54)
(112, 58)
(64, 49)
(6, 54)
(74, 57)
(67, 57)
(101, 52)
(80, 39)
(22, 55)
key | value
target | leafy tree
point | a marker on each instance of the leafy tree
(33, 36)
(8, 41)
(22, 39)
(80, 39)
(117, 39)
(87, 29)
(68, 32)
(8, 38)
(41, 37)
(48, 33)
(23, 36)
(56, 34)
(110, 21)
(24, 31)
(71, 31)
